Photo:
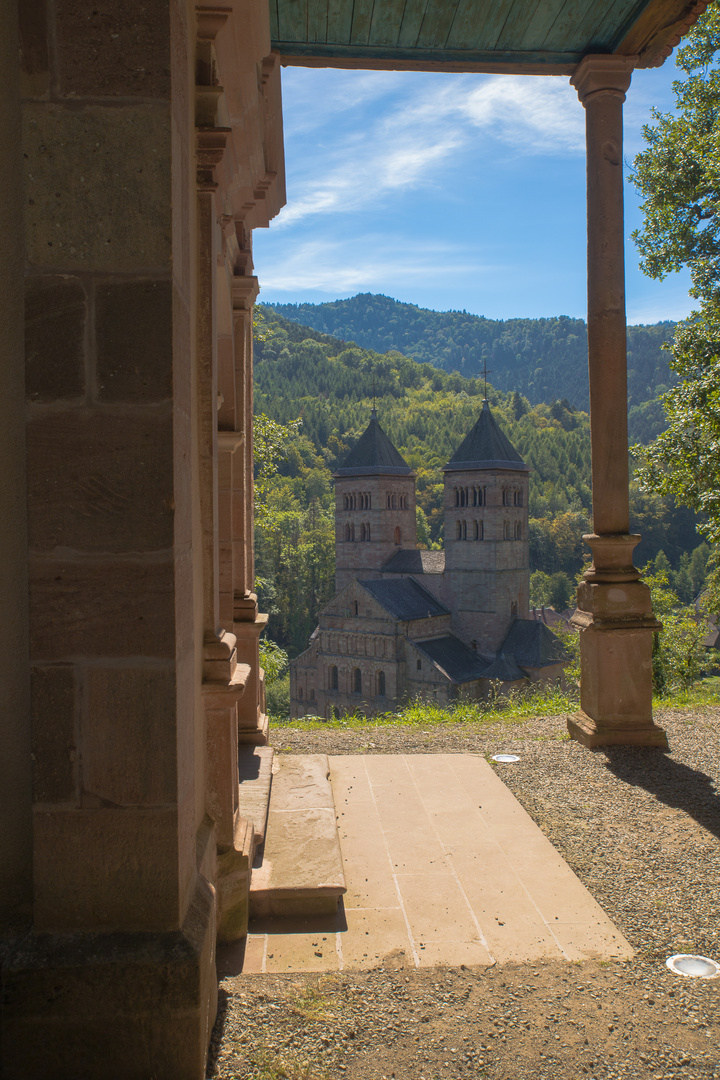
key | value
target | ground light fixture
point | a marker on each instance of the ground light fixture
(698, 967)
(505, 759)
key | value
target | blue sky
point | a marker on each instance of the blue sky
(448, 191)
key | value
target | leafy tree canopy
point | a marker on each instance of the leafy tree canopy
(679, 177)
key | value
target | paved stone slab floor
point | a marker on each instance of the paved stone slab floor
(443, 866)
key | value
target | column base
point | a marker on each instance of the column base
(233, 884)
(592, 733)
(112, 1006)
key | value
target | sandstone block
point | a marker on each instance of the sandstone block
(97, 184)
(106, 869)
(55, 311)
(133, 325)
(100, 481)
(128, 736)
(104, 608)
(106, 1006)
(54, 735)
(113, 50)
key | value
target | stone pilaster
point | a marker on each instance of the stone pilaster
(614, 617)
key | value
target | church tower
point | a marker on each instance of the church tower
(374, 507)
(487, 568)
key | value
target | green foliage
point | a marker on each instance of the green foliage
(551, 590)
(273, 660)
(679, 177)
(678, 654)
(541, 359)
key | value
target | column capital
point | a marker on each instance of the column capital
(245, 289)
(603, 74)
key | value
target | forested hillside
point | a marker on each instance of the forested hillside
(543, 359)
(426, 411)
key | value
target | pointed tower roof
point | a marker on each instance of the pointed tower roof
(486, 447)
(373, 454)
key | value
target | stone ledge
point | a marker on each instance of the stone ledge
(302, 869)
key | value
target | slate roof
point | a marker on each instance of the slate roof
(504, 669)
(373, 454)
(454, 658)
(486, 447)
(405, 599)
(409, 561)
(533, 645)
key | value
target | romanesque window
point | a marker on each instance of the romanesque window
(393, 502)
(312, 695)
(300, 693)
(464, 530)
(477, 530)
(362, 531)
(388, 502)
(514, 608)
(507, 531)
(518, 497)
(458, 530)
(357, 681)
(518, 530)
(349, 531)
(381, 684)
(457, 496)
(333, 678)
(398, 535)
(357, 607)
(419, 665)
(507, 497)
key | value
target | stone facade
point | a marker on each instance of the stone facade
(407, 625)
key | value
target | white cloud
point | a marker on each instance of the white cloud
(327, 266)
(412, 132)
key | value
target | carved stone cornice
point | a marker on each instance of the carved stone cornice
(245, 289)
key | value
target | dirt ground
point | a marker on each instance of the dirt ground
(641, 830)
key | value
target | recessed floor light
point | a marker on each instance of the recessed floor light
(505, 758)
(698, 967)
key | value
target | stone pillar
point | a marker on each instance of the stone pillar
(15, 760)
(224, 680)
(248, 622)
(614, 618)
(116, 975)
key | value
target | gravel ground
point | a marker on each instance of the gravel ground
(639, 827)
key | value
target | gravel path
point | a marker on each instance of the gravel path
(641, 830)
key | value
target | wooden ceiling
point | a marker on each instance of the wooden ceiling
(525, 36)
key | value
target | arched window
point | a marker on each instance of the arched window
(300, 693)
(457, 496)
(458, 530)
(518, 531)
(333, 678)
(347, 532)
(419, 665)
(312, 695)
(398, 535)
(367, 531)
(481, 531)
(357, 608)
(357, 681)
(388, 502)
(507, 531)
(464, 530)
(346, 504)
(362, 531)
(381, 684)
(506, 497)
(514, 608)
(393, 502)
(519, 497)
(476, 530)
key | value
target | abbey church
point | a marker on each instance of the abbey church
(407, 624)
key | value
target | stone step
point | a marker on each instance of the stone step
(255, 774)
(301, 873)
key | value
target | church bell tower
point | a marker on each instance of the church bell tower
(374, 507)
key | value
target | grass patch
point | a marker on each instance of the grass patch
(705, 692)
(507, 709)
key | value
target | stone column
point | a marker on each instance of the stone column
(116, 975)
(15, 760)
(614, 618)
(224, 680)
(248, 622)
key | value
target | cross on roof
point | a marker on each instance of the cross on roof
(485, 375)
